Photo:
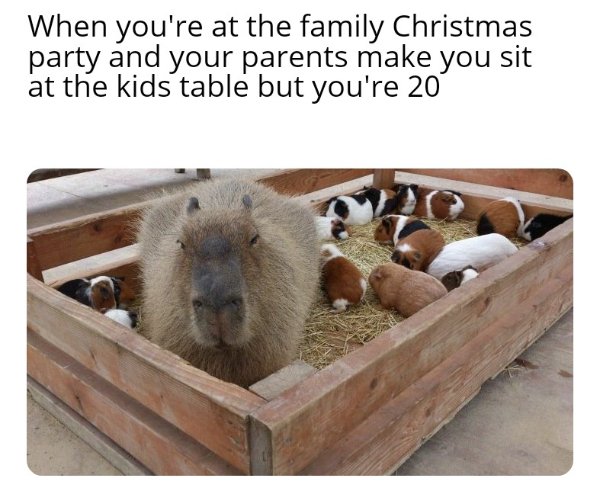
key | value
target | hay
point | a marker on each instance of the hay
(329, 336)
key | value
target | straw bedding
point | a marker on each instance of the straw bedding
(329, 336)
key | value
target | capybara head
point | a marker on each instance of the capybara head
(213, 249)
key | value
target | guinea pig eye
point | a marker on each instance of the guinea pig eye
(254, 240)
(181, 244)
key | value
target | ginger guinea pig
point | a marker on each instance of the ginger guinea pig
(404, 290)
(395, 227)
(342, 280)
(440, 204)
(419, 249)
(503, 216)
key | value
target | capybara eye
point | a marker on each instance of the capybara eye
(197, 304)
(254, 240)
(181, 244)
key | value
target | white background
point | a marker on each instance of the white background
(544, 116)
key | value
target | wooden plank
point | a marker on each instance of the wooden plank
(33, 263)
(97, 233)
(303, 181)
(477, 196)
(323, 408)
(208, 409)
(280, 381)
(386, 439)
(85, 431)
(383, 178)
(551, 182)
(119, 262)
(158, 445)
(93, 234)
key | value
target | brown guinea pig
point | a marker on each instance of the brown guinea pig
(503, 216)
(418, 249)
(440, 204)
(404, 290)
(342, 280)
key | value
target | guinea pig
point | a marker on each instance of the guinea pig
(440, 204)
(352, 210)
(540, 224)
(395, 227)
(404, 290)
(342, 280)
(454, 279)
(504, 216)
(329, 228)
(407, 198)
(383, 201)
(419, 249)
(101, 292)
(480, 252)
(123, 317)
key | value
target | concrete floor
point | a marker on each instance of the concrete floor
(521, 423)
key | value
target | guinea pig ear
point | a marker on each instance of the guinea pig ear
(192, 206)
(414, 187)
(387, 223)
(247, 201)
(417, 255)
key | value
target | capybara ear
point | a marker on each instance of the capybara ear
(193, 206)
(247, 201)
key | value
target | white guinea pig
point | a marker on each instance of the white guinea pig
(329, 228)
(124, 317)
(352, 210)
(479, 252)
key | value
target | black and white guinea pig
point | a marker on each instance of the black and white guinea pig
(100, 293)
(407, 198)
(329, 228)
(123, 317)
(537, 226)
(383, 201)
(454, 279)
(440, 204)
(352, 210)
(395, 227)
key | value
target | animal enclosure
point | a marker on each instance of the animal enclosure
(410, 380)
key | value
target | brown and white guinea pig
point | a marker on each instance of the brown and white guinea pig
(405, 290)
(504, 216)
(395, 227)
(419, 249)
(101, 293)
(440, 204)
(329, 228)
(123, 317)
(454, 279)
(540, 224)
(352, 210)
(407, 198)
(480, 252)
(342, 280)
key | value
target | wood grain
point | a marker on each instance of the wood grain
(550, 182)
(208, 409)
(157, 444)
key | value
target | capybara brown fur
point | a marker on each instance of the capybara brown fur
(403, 289)
(229, 271)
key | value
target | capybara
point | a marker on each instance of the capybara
(229, 271)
